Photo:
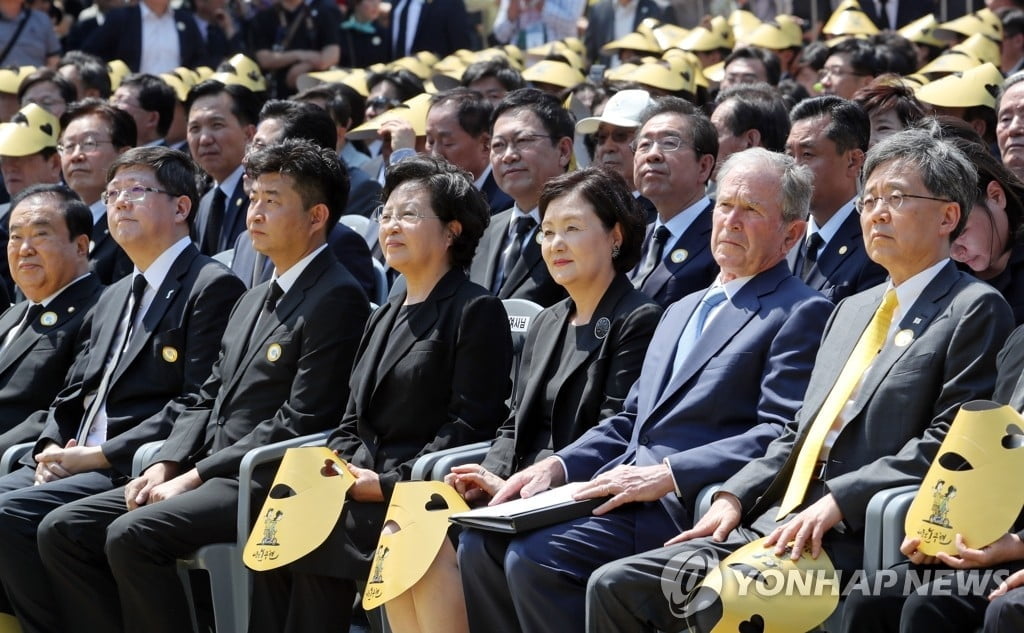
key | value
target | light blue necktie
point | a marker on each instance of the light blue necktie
(695, 326)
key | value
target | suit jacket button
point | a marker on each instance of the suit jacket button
(644, 440)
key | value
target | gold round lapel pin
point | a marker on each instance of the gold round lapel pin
(843, 249)
(679, 255)
(48, 318)
(169, 353)
(273, 352)
(904, 338)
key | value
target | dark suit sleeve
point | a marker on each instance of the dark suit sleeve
(327, 350)
(787, 369)
(601, 444)
(351, 250)
(207, 319)
(627, 357)
(456, 21)
(102, 42)
(480, 383)
(967, 374)
(1010, 366)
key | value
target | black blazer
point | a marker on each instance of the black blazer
(843, 267)
(594, 388)
(442, 381)
(106, 257)
(906, 12)
(443, 28)
(695, 269)
(254, 398)
(234, 218)
(34, 366)
(348, 247)
(163, 367)
(528, 279)
(120, 37)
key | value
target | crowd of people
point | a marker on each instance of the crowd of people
(774, 250)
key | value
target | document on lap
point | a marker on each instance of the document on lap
(522, 515)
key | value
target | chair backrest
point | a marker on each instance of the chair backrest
(521, 313)
(361, 225)
(380, 279)
(225, 257)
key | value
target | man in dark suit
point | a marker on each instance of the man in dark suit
(93, 134)
(151, 103)
(221, 121)
(604, 23)
(283, 373)
(889, 15)
(279, 120)
(177, 42)
(674, 157)
(531, 142)
(921, 345)
(439, 26)
(724, 371)
(830, 135)
(42, 335)
(151, 346)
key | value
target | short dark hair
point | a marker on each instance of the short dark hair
(91, 71)
(893, 54)
(757, 107)
(860, 54)
(557, 121)
(497, 67)
(849, 126)
(452, 196)
(67, 89)
(245, 104)
(992, 169)
(317, 175)
(407, 84)
(472, 110)
(1013, 22)
(174, 170)
(702, 133)
(154, 96)
(122, 125)
(768, 59)
(302, 120)
(888, 92)
(77, 215)
(606, 190)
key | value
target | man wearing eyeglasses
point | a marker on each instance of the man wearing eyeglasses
(850, 66)
(154, 338)
(896, 363)
(531, 143)
(830, 135)
(674, 157)
(94, 134)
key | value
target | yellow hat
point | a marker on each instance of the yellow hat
(180, 89)
(721, 27)
(554, 72)
(117, 70)
(981, 47)
(701, 40)
(790, 25)
(673, 54)
(743, 24)
(715, 72)
(187, 75)
(978, 22)
(849, 19)
(32, 129)
(950, 62)
(977, 86)
(11, 78)
(426, 57)
(413, 111)
(621, 72)
(633, 42)
(668, 35)
(576, 45)
(413, 65)
(770, 36)
(662, 78)
(922, 31)
(916, 80)
(204, 72)
(246, 73)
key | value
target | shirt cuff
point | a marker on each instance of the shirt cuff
(670, 474)
(565, 471)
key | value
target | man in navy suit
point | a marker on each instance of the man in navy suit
(830, 136)
(674, 157)
(725, 369)
(221, 121)
(125, 35)
(439, 26)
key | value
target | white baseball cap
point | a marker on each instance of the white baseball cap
(623, 109)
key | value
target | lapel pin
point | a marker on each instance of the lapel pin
(48, 318)
(169, 354)
(538, 237)
(273, 352)
(904, 338)
(169, 293)
(917, 320)
(843, 249)
(181, 26)
(679, 255)
(71, 309)
(238, 202)
(603, 326)
(92, 245)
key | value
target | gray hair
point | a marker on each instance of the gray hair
(944, 170)
(1010, 81)
(797, 180)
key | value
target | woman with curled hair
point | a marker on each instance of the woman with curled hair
(431, 372)
(580, 358)
(891, 106)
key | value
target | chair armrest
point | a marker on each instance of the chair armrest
(894, 520)
(144, 455)
(13, 455)
(704, 499)
(471, 453)
(257, 457)
(875, 526)
(423, 469)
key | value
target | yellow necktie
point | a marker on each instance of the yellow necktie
(868, 347)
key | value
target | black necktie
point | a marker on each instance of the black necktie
(654, 253)
(138, 289)
(402, 17)
(215, 223)
(31, 315)
(523, 225)
(813, 245)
